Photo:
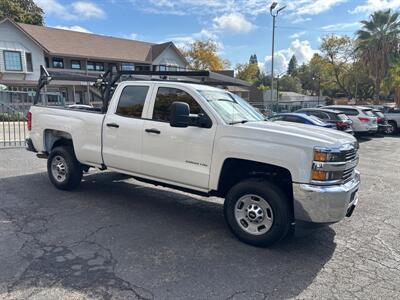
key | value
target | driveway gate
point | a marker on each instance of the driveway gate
(13, 109)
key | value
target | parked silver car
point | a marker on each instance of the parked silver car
(364, 121)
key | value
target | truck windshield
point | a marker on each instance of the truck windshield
(231, 107)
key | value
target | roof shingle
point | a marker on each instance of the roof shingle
(92, 46)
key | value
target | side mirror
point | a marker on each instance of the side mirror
(179, 116)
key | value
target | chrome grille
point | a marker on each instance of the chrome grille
(348, 174)
(350, 154)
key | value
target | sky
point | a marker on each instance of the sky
(240, 27)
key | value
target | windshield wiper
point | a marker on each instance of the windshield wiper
(238, 122)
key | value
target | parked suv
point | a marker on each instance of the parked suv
(330, 116)
(364, 121)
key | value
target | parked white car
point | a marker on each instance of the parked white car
(210, 142)
(364, 120)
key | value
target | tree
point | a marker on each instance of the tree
(289, 84)
(292, 67)
(338, 52)
(248, 72)
(378, 43)
(23, 11)
(253, 59)
(392, 83)
(203, 55)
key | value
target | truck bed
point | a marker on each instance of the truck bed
(82, 126)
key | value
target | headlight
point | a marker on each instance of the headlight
(326, 155)
(333, 166)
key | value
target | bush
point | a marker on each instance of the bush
(12, 117)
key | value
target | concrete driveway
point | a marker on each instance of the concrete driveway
(115, 238)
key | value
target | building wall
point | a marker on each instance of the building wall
(13, 39)
(169, 57)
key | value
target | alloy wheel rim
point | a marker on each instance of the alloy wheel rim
(253, 214)
(59, 168)
(390, 129)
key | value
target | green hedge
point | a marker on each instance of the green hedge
(12, 117)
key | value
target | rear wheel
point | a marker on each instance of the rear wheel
(64, 170)
(392, 128)
(257, 212)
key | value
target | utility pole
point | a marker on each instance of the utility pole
(274, 15)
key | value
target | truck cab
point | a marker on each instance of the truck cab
(211, 142)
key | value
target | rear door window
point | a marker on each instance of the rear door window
(131, 101)
(294, 119)
(368, 112)
(349, 111)
(342, 117)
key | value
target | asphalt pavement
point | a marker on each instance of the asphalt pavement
(115, 238)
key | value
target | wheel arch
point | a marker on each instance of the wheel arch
(54, 138)
(235, 170)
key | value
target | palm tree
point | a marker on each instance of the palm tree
(378, 44)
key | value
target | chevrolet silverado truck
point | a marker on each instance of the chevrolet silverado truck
(207, 141)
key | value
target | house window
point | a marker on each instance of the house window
(127, 67)
(95, 66)
(12, 61)
(46, 61)
(29, 65)
(58, 63)
(75, 64)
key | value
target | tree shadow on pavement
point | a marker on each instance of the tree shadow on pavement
(115, 238)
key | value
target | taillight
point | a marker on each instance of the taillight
(362, 119)
(29, 120)
(380, 120)
(341, 124)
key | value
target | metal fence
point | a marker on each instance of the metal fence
(13, 108)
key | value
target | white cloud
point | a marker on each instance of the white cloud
(73, 11)
(182, 41)
(74, 28)
(130, 36)
(296, 35)
(301, 49)
(226, 7)
(312, 7)
(341, 26)
(234, 22)
(87, 10)
(374, 5)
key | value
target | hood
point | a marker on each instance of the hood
(317, 136)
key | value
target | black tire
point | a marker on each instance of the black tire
(277, 201)
(395, 128)
(73, 169)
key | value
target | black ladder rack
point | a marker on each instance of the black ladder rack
(108, 80)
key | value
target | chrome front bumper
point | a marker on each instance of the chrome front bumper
(325, 204)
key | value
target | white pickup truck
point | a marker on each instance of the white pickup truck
(210, 142)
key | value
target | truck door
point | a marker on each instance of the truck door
(123, 127)
(176, 155)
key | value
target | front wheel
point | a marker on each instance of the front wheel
(257, 212)
(64, 170)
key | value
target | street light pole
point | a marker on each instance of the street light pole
(274, 15)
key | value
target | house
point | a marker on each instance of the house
(290, 101)
(24, 48)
